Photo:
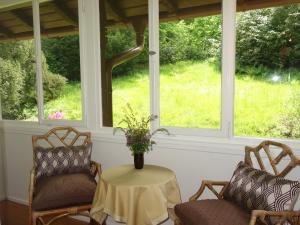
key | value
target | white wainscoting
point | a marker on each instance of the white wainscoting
(192, 160)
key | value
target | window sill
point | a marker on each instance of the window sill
(234, 146)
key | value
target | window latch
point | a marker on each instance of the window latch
(152, 52)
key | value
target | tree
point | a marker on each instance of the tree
(18, 79)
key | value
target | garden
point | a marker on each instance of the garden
(267, 80)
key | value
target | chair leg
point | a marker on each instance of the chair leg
(93, 222)
(34, 221)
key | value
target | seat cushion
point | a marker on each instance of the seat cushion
(63, 191)
(211, 212)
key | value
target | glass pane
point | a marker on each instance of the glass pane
(130, 81)
(17, 65)
(267, 99)
(190, 71)
(61, 60)
(127, 53)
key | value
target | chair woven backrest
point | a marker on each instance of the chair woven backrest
(61, 136)
(266, 147)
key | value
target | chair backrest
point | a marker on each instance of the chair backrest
(61, 136)
(266, 148)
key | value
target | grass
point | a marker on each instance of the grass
(191, 97)
(69, 103)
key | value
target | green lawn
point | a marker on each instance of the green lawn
(191, 97)
(69, 103)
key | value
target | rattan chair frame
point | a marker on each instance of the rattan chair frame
(293, 217)
(36, 217)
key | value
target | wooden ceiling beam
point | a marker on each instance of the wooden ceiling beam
(26, 20)
(244, 5)
(53, 32)
(117, 12)
(171, 5)
(5, 31)
(62, 8)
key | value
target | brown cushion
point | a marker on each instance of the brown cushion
(211, 212)
(63, 191)
(62, 160)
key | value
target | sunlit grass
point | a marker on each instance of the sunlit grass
(69, 103)
(191, 97)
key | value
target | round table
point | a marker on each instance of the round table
(135, 197)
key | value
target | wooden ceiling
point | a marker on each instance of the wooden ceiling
(60, 17)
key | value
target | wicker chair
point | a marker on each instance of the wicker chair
(257, 216)
(57, 137)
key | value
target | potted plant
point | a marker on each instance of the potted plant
(138, 135)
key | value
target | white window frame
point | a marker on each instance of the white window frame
(39, 71)
(228, 72)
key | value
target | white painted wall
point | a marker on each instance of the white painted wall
(191, 159)
(2, 180)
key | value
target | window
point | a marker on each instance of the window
(40, 74)
(61, 60)
(17, 65)
(126, 68)
(190, 71)
(187, 65)
(130, 81)
(267, 94)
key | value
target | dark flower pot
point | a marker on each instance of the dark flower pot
(139, 160)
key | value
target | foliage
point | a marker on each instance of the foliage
(53, 85)
(11, 83)
(269, 37)
(22, 55)
(68, 103)
(137, 131)
(290, 122)
(63, 55)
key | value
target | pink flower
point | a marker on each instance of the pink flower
(56, 116)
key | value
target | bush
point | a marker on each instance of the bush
(290, 123)
(11, 82)
(63, 55)
(18, 79)
(53, 86)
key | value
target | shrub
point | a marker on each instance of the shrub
(11, 82)
(53, 86)
(63, 55)
(290, 123)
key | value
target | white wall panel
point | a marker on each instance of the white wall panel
(191, 164)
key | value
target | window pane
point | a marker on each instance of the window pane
(130, 81)
(17, 65)
(126, 65)
(267, 99)
(190, 71)
(61, 60)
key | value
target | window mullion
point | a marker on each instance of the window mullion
(38, 58)
(154, 60)
(228, 65)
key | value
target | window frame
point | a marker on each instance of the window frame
(89, 36)
(39, 74)
(228, 13)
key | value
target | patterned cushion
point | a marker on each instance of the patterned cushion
(62, 160)
(256, 189)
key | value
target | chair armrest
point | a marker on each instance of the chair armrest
(31, 185)
(96, 169)
(293, 217)
(210, 185)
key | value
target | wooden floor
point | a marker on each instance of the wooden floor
(16, 214)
